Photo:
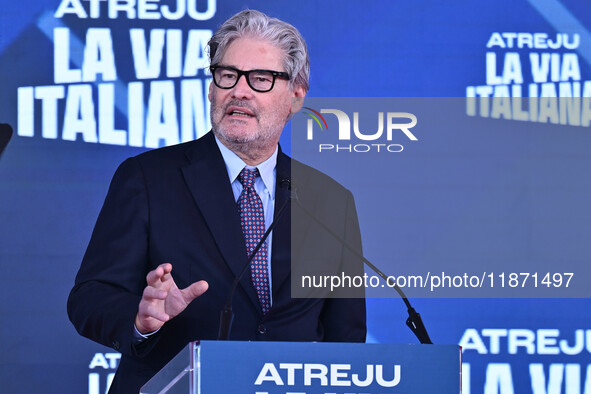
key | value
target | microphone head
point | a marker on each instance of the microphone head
(5, 135)
(286, 184)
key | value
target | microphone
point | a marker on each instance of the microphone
(414, 320)
(5, 135)
(227, 315)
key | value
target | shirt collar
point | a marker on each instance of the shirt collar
(234, 164)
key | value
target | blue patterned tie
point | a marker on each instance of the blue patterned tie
(252, 218)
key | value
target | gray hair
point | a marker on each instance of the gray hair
(255, 24)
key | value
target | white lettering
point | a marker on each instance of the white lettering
(196, 54)
(538, 379)
(161, 122)
(269, 374)
(521, 338)
(147, 62)
(61, 57)
(385, 383)
(106, 120)
(368, 377)
(98, 56)
(577, 347)
(147, 9)
(26, 111)
(546, 341)
(498, 379)
(336, 372)
(315, 371)
(135, 93)
(291, 368)
(194, 109)
(99, 360)
(49, 95)
(70, 7)
(495, 335)
(127, 6)
(471, 341)
(79, 115)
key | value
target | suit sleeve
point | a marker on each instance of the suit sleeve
(344, 316)
(108, 287)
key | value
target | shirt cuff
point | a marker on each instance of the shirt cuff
(138, 337)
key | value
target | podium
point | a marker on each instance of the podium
(214, 367)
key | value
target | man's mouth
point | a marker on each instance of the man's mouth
(240, 112)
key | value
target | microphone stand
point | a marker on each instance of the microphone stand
(414, 320)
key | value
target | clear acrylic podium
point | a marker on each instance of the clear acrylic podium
(214, 367)
(180, 375)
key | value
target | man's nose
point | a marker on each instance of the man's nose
(242, 89)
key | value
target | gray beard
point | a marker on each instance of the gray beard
(255, 148)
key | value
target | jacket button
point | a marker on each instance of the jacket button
(262, 329)
(115, 345)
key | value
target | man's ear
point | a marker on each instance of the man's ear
(297, 100)
(209, 93)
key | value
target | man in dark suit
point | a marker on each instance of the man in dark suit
(173, 232)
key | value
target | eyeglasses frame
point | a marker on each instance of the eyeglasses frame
(275, 74)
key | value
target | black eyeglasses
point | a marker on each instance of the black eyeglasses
(259, 80)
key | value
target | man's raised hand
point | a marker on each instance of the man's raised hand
(162, 299)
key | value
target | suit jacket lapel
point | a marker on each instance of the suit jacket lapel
(207, 179)
(281, 253)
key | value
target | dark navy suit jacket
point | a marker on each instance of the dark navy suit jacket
(175, 205)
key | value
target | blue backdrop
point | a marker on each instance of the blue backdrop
(86, 84)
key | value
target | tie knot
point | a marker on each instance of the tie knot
(246, 177)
